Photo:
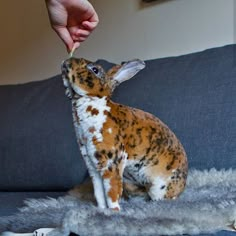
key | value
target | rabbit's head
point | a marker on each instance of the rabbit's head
(85, 78)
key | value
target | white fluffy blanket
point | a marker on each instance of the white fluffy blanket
(208, 205)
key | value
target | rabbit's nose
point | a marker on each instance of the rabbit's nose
(65, 62)
(65, 65)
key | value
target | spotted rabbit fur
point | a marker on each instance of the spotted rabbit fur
(125, 149)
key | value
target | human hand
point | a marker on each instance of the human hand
(73, 20)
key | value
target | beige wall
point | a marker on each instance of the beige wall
(30, 50)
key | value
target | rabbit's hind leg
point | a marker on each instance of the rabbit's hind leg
(158, 188)
(166, 187)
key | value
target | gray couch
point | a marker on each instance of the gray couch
(194, 94)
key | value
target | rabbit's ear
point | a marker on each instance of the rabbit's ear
(119, 74)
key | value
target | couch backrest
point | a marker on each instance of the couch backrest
(193, 94)
(38, 149)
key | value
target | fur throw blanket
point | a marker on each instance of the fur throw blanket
(208, 205)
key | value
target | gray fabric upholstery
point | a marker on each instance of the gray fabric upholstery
(38, 149)
(10, 202)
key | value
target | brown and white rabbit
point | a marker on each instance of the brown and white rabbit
(121, 146)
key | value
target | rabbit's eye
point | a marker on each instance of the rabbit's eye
(95, 70)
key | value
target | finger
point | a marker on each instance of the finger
(73, 30)
(83, 33)
(92, 22)
(76, 45)
(76, 33)
(79, 38)
(82, 39)
(65, 36)
(89, 25)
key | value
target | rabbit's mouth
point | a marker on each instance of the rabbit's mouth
(65, 78)
(69, 91)
(65, 67)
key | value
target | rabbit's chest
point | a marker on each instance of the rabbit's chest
(89, 116)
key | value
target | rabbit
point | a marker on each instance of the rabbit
(125, 149)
